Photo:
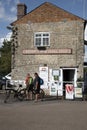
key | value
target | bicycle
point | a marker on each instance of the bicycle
(16, 93)
(23, 93)
(20, 93)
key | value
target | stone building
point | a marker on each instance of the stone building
(47, 37)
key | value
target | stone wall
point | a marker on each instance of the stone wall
(63, 35)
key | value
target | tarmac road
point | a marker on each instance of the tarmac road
(46, 115)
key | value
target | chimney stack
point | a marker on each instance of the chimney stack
(21, 10)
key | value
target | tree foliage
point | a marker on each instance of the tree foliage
(5, 59)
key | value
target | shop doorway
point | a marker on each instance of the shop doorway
(69, 77)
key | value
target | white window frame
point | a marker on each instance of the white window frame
(42, 37)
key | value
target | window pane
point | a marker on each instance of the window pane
(38, 35)
(38, 42)
(45, 41)
(46, 34)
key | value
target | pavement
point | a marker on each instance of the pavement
(44, 115)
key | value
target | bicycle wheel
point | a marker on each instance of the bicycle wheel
(7, 95)
(22, 94)
(42, 94)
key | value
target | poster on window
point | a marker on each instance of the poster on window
(53, 89)
(60, 89)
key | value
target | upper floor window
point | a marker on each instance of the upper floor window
(42, 39)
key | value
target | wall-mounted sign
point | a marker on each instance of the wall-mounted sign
(50, 51)
(43, 72)
(55, 72)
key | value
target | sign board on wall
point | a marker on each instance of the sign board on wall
(55, 72)
(51, 78)
(53, 89)
(60, 90)
(43, 73)
(55, 85)
(49, 51)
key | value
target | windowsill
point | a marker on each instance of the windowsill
(41, 48)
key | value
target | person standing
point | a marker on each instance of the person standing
(37, 85)
(29, 85)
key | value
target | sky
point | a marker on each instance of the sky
(8, 10)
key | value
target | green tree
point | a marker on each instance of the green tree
(5, 59)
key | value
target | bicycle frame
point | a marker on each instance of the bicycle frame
(16, 93)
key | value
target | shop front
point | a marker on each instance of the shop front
(59, 82)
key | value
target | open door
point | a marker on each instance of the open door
(69, 77)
